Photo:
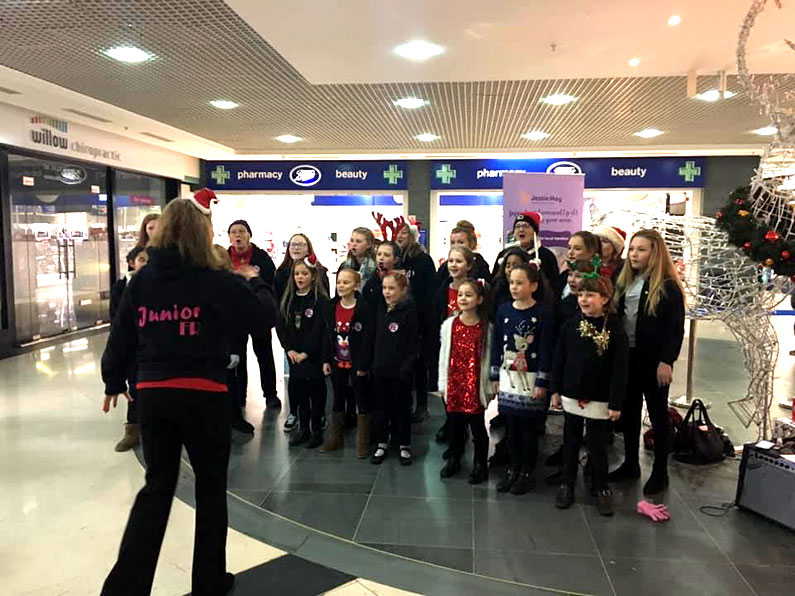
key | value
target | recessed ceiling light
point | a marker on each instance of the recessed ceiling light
(410, 103)
(418, 50)
(714, 95)
(648, 133)
(128, 54)
(765, 131)
(223, 104)
(674, 20)
(535, 135)
(634, 61)
(289, 139)
(558, 99)
(427, 137)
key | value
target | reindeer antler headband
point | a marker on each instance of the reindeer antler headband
(395, 225)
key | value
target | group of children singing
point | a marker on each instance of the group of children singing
(593, 341)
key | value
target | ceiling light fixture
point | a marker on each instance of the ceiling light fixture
(634, 62)
(674, 20)
(765, 131)
(648, 133)
(410, 103)
(714, 95)
(535, 135)
(128, 54)
(223, 104)
(427, 137)
(289, 138)
(418, 50)
(558, 99)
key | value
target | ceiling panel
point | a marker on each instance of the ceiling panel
(205, 51)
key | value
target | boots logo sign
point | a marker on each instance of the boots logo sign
(305, 175)
(45, 132)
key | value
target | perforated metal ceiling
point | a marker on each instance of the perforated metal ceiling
(205, 51)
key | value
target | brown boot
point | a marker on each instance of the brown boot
(132, 436)
(363, 436)
(334, 440)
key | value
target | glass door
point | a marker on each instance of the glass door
(59, 246)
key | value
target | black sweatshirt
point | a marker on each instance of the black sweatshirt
(116, 293)
(307, 331)
(371, 291)
(579, 372)
(360, 336)
(422, 283)
(659, 338)
(179, 321)
(265, 296)
(396, 341)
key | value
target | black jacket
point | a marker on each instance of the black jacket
(371, 291)
(566, 309)
(579, 372)
(396, 342)
(549, 267)
(360, 336)
(307, 330)
(178, 322)
(422, 282)
(659, 338)
(116, 293)
(264, 264)
(479, 271)
(265, 296)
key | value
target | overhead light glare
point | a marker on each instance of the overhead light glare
(223, 104)
(674, 20)
(558, 99)
(128, 54)
(648, 133)
(427, 137)
(289, 138)
(634, 62)
(418, 50)
(535, 135)
(765, 131)
(714, 95)
(410, 103)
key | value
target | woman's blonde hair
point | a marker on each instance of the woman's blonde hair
(661, 269)
(317, 288)
(184, 228)
(223, 257)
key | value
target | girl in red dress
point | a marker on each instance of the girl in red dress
(464, 377)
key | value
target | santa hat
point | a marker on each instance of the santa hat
(202, 200)
(615, 236)
(531, 217)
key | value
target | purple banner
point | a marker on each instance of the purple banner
(557, 197)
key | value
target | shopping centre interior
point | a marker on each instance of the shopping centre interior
(319, 117)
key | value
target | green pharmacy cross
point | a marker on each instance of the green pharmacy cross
(689, 171)
(393, 174)
(445, 173)
(220, 175)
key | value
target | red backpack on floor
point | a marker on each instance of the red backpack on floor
(674, 421)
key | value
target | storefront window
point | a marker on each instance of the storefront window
(135, 196)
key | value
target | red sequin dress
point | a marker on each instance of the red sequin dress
(463, 385)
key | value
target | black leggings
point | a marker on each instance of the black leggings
(351, 392)
(309, 397)
(523, 433)
(263, 348)
(171, 418)
(392, 414)
(642, 383)
(459, 423)
(596, 443)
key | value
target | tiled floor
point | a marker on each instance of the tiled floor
(66, 495)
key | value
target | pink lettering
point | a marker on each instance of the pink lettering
(185, 313)
(165, 315)
(141, 316)
(153, 316)
(189, 328)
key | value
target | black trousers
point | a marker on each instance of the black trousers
(392, 414)
(132, 406)
(309, 397)
(171, 418)
(642, 383)
(263, 349)
(459, 423)
(596, 432)
(522, 434)
(351, 392)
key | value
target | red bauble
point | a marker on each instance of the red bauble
(719, 215)
(747, 246)
(771, 236)
(739, 201)
(785, 254)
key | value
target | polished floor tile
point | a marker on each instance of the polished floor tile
(769, 580)
(328, 512)
(329, 476)
(452, 558)
(635, 577)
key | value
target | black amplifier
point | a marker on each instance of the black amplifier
(767, 485)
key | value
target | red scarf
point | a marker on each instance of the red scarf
(241, 258)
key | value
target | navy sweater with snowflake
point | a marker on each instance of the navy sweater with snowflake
(509, 325)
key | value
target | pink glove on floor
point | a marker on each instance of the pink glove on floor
(657, 513)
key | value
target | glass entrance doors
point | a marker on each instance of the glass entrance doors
(61, 264)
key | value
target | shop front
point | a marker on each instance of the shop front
(472, 190)
(71, 206)
(323, 199)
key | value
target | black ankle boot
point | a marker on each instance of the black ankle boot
(525, 483)
(624, 472)
(299, 436)
(657, 483)
(480, 473)
(508, 480)
(451, 468)
(565, 497)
